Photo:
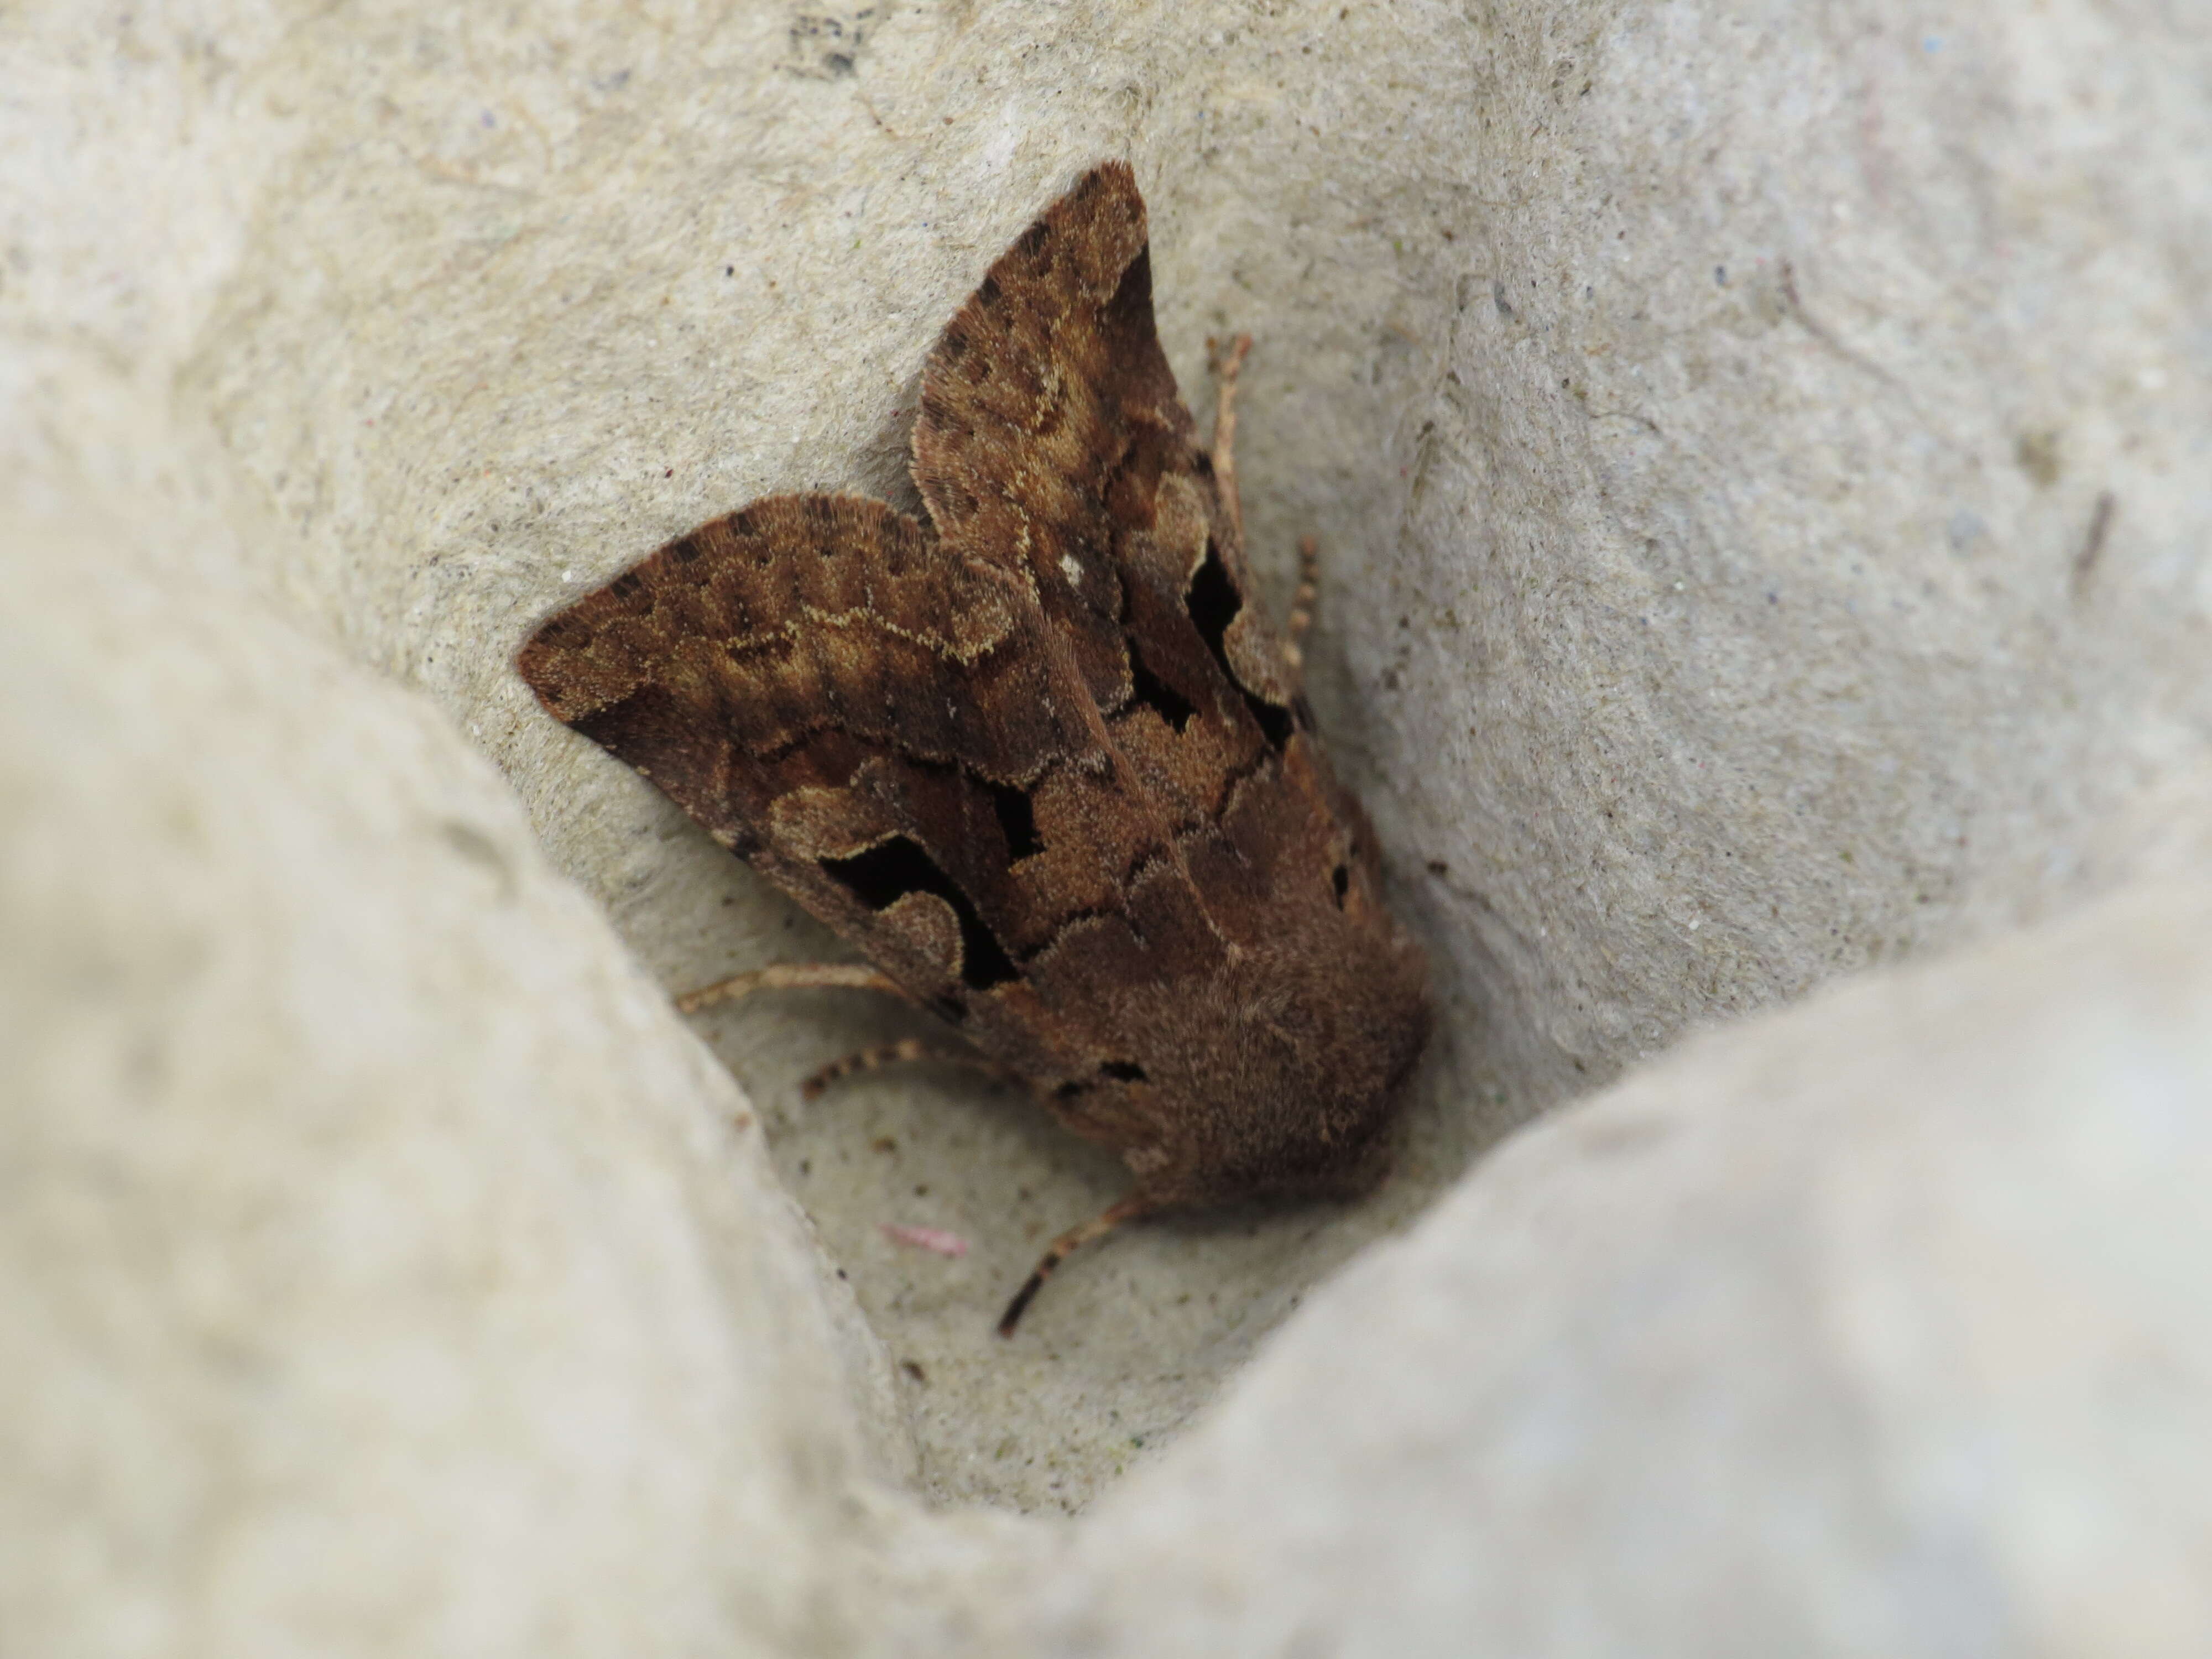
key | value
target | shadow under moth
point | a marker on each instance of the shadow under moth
(1043, 759)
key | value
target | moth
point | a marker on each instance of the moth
(1043, 759)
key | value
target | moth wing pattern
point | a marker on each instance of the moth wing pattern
(1040, 758)
(841, 702)
(1051, 423)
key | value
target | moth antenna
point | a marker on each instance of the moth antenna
(790, 976)
(1302, 607)
(1226, 362)
(877, 1055)
(1135, 1205)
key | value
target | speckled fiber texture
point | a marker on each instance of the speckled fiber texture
(1759, 457)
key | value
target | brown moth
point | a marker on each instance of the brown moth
(1043, 759)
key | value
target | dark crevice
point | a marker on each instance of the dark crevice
(1274, 723)
(1124, 1071)
(1213, 603)
(1016, 820)
(1157, 694)
(888, 871)
(1340, 879)
(1129, 312)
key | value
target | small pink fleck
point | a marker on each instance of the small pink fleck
(925, 1238)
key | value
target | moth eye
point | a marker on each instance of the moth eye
(1016, 817)
(886, 872)
(1213, 603)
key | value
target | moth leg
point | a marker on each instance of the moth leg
(1302, 608)
(1135, 1205)
(877, 1055)
(1226, 362)
(790, 976)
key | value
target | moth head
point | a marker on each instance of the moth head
(1286, 1080)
